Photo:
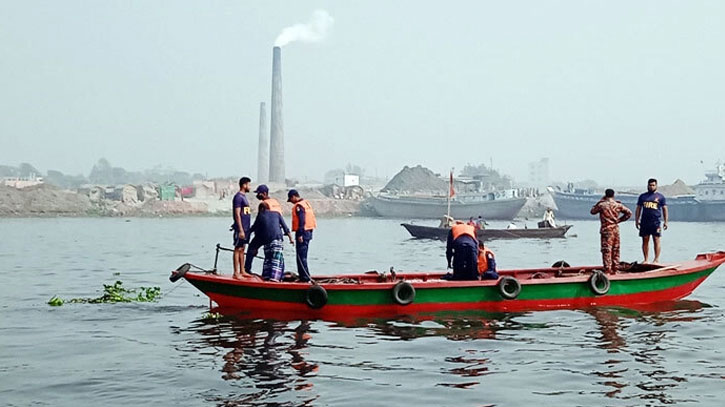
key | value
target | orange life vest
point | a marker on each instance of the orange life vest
(459, 230)
(483, 256)
(310, 221)
(273, 205)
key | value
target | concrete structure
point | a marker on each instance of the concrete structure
(276, 135)
(350, 180)
(205, 190)
(129, 194)
(22, 182)
(341, 178)
(262, 147)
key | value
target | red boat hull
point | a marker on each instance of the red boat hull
(540, 289)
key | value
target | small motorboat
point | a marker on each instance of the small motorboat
(439, 233)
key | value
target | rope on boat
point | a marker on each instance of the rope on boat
(203, 269)
(171, 290)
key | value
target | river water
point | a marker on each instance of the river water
(170, 353)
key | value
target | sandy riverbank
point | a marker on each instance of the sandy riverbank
(49, 201)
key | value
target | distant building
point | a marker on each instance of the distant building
(539, 173)
(341, 178)
(22, 182)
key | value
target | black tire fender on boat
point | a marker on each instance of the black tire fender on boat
(509, 287)
(403, 293)
(179, 272)
(316, 297)
(599, 283)
(560, 264)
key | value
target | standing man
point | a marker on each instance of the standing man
(652, 207)
(462, 246)
(268, 228)
(242, 219)
(611, 214)
(303, 223)
(272, 204)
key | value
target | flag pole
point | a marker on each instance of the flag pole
(450, 193)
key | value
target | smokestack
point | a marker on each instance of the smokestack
(276, 138)
(263, 147)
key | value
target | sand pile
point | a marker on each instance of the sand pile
(416, 180)
(677, 188)
(42, 200)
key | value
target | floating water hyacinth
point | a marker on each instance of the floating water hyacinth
(113, 293)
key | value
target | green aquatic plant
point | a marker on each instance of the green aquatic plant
(211, 315)
(55, 301)
(113, 293)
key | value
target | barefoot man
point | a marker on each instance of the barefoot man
(242, 217)
(652, 207)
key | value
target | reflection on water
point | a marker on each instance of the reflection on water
(645, 359)
(272, 358)
(270, 354)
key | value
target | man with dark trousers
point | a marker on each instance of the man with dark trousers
(272, 204)
(303, 223)
(242, 215)
(652, 207)
(462, 246)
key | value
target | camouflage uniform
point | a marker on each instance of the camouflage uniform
(609, 213)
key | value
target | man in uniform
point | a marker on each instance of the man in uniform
(262, 193)
(486, 262)
(242, 217)
(652, 207)
(462, 247)
(611, 214)
(272, 204)
(303, 223)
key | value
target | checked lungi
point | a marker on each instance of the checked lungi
(273, 266)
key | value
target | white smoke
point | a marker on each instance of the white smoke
(313, 31)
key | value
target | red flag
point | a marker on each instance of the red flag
(452, 191)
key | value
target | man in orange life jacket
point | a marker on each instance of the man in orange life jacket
(303, 223)
(262, 192)
(486, 262)
(273, 205)
(462, 246)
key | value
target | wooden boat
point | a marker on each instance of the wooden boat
(432, 232)
(376, 294)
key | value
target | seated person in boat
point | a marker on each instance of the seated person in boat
(446, 222)
(481, 223)
(462, 248)
(475, 223)
(549, 220)
(486, 262)
(267, 229)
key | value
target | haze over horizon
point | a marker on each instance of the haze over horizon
(616, 92)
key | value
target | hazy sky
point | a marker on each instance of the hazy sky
(617, 91)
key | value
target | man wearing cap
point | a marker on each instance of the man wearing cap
(303, 223)
(272, 204)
